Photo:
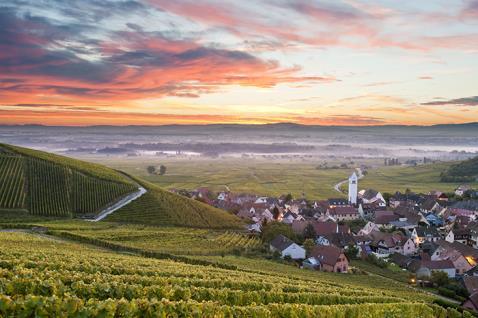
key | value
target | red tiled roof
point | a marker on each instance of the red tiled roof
(341, 210)
(443, 264)
(326, 254)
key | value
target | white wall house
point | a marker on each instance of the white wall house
(286, 247)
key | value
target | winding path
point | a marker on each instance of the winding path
(338, 185)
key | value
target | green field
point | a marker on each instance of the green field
(276, 178)
(46, 277)
(420, 179)
(256, 176)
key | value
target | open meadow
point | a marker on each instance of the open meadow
(275, 178)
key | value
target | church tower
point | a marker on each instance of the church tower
(353, 184)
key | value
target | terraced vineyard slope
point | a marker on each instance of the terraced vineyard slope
(50, 185)
(160, 207)
(41, 277)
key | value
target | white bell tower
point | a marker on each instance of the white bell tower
(353, 188)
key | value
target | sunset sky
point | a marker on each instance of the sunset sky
(152, 62)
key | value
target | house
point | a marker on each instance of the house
(311, 263)
(463, 257)
(461, 235)
(425, 234)
(368, 228)
(438, 195)
(434, 220)
(223, 196)
(383, 218)
(430, 206)
(320, 228)
(340, 240)
(372, 196)
(343, 213)
(287, 247)
(404, 199)
(255, 228)
(470, 283)
(445, 266)
(403, 223)
(289, 218)
(472, 302)
(405, 262)
(331, 259)
(384, 244)
(461, 190)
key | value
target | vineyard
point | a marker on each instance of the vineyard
(172, 240)
(160, 207)
(51, 278)
(12, 190)
(49, 185)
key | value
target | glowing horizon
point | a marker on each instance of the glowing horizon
(158, 62)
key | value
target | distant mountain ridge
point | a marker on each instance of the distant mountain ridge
(270, 125)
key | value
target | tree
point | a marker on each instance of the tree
(288, 198)
(309, 232)
(151, 169)
(309, 245)
(162, 170)
(276, 213)
(272, 229)
(387, 196)
(351, 252)
(439, 278)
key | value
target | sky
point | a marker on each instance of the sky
(155, 62)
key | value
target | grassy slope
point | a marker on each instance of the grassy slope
(160, 207)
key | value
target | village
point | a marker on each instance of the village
(433, 236)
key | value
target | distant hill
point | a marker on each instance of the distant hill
(465, 171)
(160, 207)
(45, 184)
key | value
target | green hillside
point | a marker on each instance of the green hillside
(465, 171)
(45, 184)
(41, 277)
(160, 207)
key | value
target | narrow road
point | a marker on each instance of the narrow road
(338, 185)
(119, 204)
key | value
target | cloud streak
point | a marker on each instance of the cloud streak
(464, 101)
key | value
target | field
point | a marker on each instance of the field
(172, 240)
(47, 277)
(256, 176)
(276, 178)
(419, 179)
